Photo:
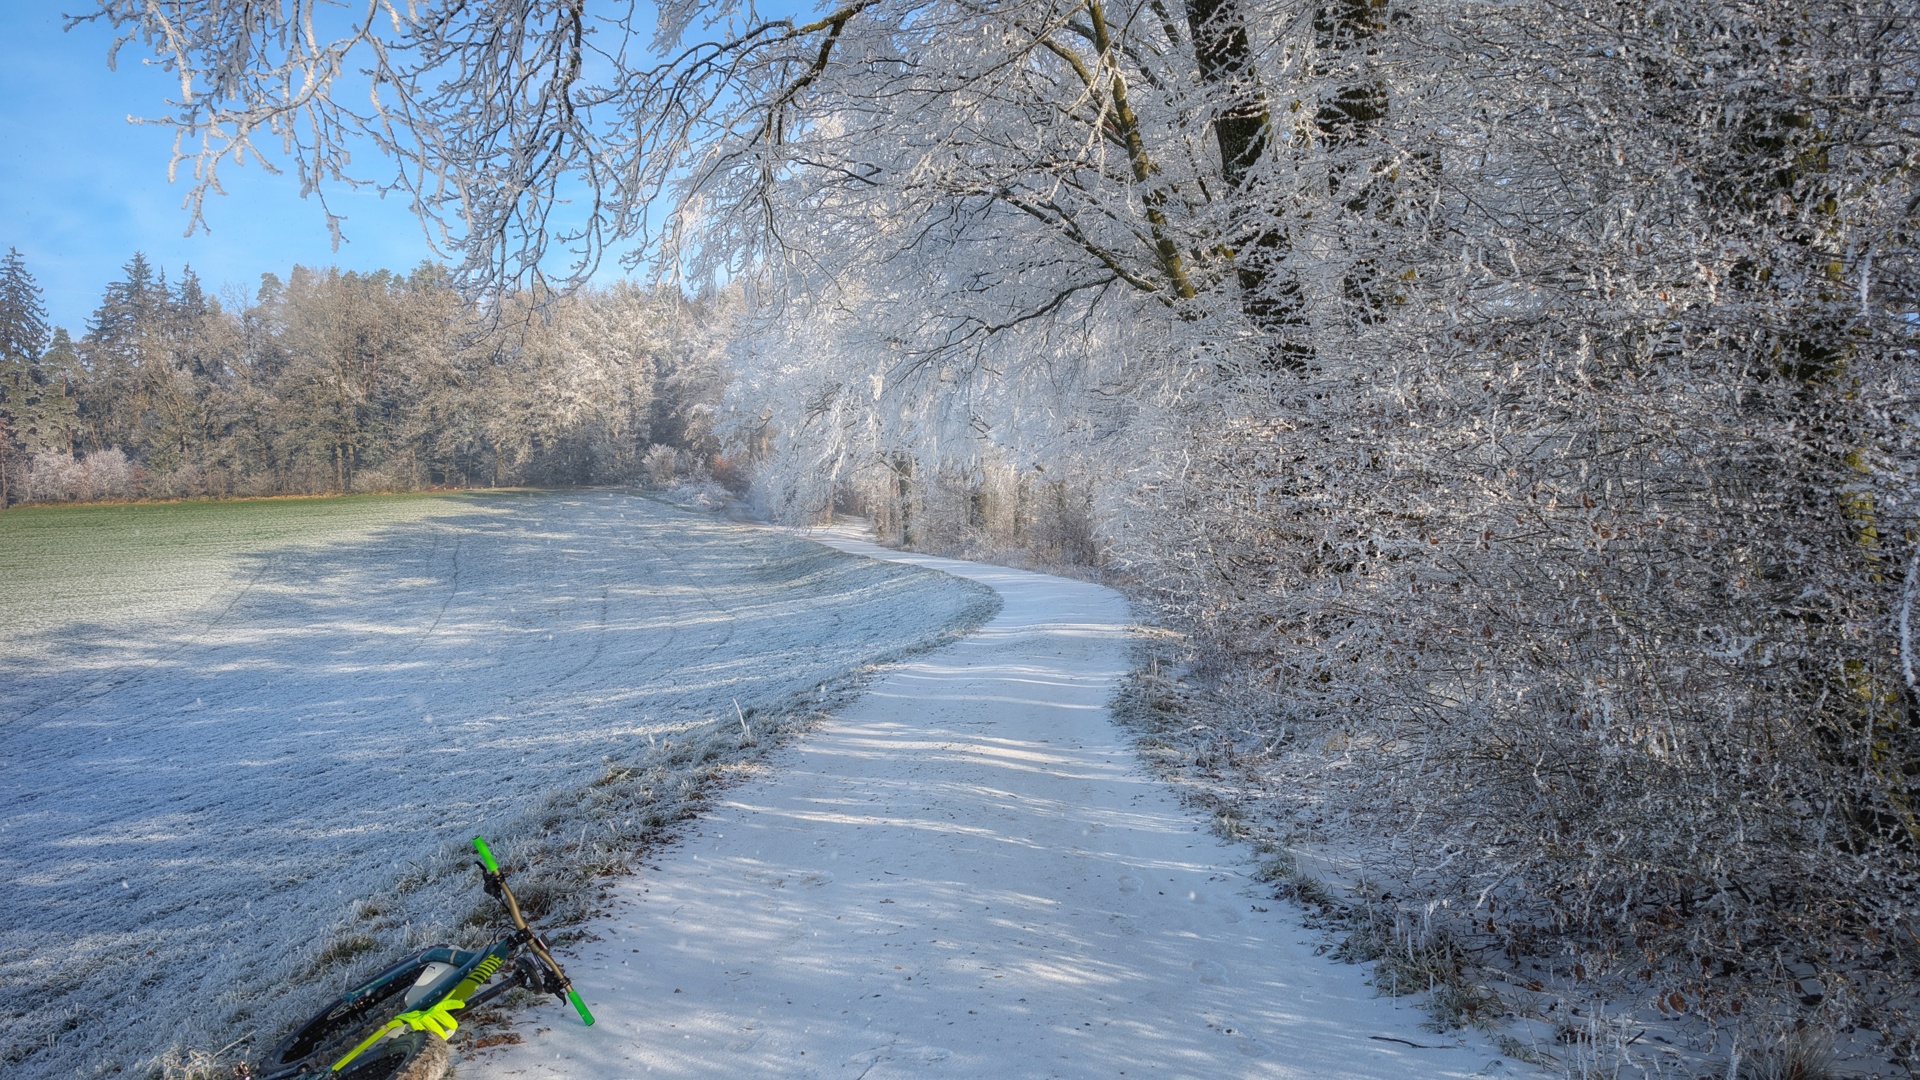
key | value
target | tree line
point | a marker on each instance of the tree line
(338, 381)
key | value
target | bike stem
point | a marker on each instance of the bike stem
(497, 885)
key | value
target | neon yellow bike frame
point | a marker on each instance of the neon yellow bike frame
(437, 1018)
(437, 1015)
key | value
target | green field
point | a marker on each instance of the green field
(61, 565)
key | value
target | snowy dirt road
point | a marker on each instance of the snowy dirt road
(208, 800)
(966, 874)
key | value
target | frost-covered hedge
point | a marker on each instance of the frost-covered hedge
(102, 474)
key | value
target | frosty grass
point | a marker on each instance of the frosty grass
(243, 745)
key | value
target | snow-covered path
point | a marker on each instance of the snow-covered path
(966, 874)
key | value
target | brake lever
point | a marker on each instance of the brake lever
(490, 880)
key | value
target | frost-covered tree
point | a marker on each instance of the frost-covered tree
(59, 420)
(124, 352)
(23, 315)
(1589, 490)
(501, 115)
(574, 385)
(35, 412)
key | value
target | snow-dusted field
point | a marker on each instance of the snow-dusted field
(211, 746)
(966, 873)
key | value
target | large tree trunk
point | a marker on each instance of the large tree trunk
(1243, 129)
(1270, 296)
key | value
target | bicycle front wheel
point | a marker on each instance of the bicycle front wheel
(313, 1047)
(415, 1055)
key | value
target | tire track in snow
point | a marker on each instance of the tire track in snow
(453, 589)
(95, 690)
(599, 644)
(666, 641)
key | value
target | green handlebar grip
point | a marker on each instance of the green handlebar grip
(574, 996)
(486, 856)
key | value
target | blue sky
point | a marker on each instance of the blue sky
(81, 189)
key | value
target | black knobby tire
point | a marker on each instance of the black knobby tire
(414, 1055)
(338, 1028)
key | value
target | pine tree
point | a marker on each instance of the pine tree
(123, 343)
(127, 309)
(23, 318)
(59, 395)
(182, 390)
(23, 338)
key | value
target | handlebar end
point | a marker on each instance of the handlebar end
(486, 855)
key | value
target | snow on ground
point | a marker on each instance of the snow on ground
(195, 790)
(966, 874)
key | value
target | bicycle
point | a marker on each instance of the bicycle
(395, 1026)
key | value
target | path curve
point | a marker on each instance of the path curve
(967, 874)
